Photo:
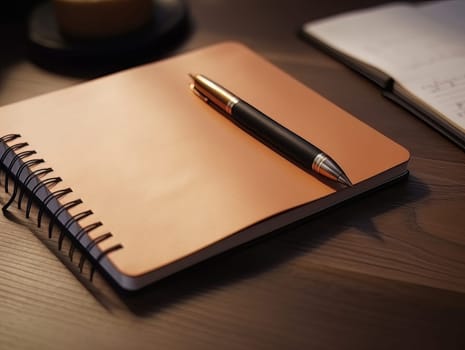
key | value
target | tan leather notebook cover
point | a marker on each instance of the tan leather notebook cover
(173, 180)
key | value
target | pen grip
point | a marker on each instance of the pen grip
(274, 135)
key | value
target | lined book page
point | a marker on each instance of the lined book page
(415, 46)
(444, 91)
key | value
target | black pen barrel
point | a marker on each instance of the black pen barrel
(274, 135)
(282, 140)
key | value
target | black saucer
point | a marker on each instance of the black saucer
(45, 35)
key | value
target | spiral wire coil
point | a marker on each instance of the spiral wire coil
(42, 179)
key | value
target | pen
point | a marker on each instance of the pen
(274, 135)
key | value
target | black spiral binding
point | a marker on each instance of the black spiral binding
(41, 177)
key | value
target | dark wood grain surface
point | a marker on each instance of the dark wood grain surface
(385, 271)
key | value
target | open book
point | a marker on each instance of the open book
(415, 52)
(168, 179)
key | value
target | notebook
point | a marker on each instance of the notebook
(169, 180)
(415, 52)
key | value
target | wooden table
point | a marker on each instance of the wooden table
(385, 271)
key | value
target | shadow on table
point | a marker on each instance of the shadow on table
(277, 248)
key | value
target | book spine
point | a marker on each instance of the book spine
(29, 178)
